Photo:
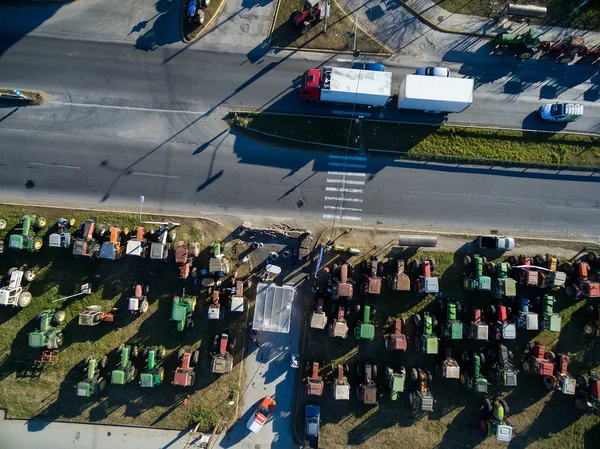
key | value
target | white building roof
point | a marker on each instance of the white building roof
(273, 308)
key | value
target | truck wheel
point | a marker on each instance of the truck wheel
(549, 382)
(29, 275)
(24, 299)
(144, 306)
(37, 243)
(2, 224)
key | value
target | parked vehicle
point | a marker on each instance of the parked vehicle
(367, 389)
(433, 71)
(396, 341)
(426, 283)
(47, 335)
(312, 421)
(365, 329)
(493, 419)
(25, 238)
(261, 414)
(448, 368)
(435, 93)
(395, 379)
(313, 12)
(400, 280)
(12, 294)
(185, 374)
(501, 371)
(342, 284)
(93, 382)
(561, 112)
(373, 66)
(341, 386)
(126, 371)
(587, 398)
(420, 398)
(471, 376)
(153, 374)
(221, 359)
(496, 243)
(314, 382)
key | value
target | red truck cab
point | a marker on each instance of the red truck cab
(311, 85)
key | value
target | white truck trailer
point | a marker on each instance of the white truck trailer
(435, 93)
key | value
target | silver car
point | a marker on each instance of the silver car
(433, 71)
(561, 112)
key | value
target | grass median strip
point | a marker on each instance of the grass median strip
(423, 142)
(192, 30)
(33, 98)
(337, 38)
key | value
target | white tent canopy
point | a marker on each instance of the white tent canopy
(273, 309)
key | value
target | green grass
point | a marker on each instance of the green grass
(542, 419)
(191, 31)
(337, 37)
(35, 97)
(424, 142)
(52, 395)
(559, 11)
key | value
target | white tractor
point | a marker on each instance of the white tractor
(13, 294)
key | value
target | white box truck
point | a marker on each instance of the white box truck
(348, 86)
(435, 93)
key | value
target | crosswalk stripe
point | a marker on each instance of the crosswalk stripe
(343, 189)
(341, 198)
(352, 209)
(340, 217)
(348, 158)
(345, 165)
(346, 173)
(346, 181)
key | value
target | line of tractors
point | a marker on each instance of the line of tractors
(521, 296)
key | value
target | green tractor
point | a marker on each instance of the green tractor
(452, 327)
(523, 46)
(493, 420)
(426, 341)
(365, 328)
(47, 335)
(26, 239)
(504, 286)
(93, 383)
(472, 377)
(550, 321)
(126, 371)
(153, 374)
(182, 310)
(476, 280)
(395, 379)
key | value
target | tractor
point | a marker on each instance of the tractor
(137, 245)
(588, 394)
(425, 284)
(472, 378)
(493, 420)
(400, 281)
(523, 46)
(93, 315)
(592, 327)
(237, 301)
(125, 371)
(448, 368)
(185, 374)
(318, 318)
(13, 294)
(61, 238)
(426, 341)
(341, 387)
(184, 258)
(93, 383)
(372, 282)
(560, 379)
(182, 310)
(366, 372)
(395, 379)
(214, 310)
(550, 321)
(476, 280)
(526, 319)
(452, 328)
(159, 247)
(86, 245)
(583, 287)
(421, 398)
(138, 303)
(527, 274)
(314, 382)
(396, 341)
(343, 287)
(538, 361)
(26, 238)
(478, 328)
(153, 373)
(365, 329)
(112, 250)
(218, 264)
(221, 359)
(194, 11)
(47, 335)
(339, 326)
(311, 14)
(501, 370)
(503, 328)
(504, 286)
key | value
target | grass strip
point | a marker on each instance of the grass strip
(337, 38)
(191, 31)
(35, 98)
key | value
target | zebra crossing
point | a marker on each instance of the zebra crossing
(345, 185)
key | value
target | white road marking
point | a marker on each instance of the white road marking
(128, 108)
(341, 198)
(341, 189)
(343, 164)
(55, 165)
(345, 173)
(340, 217)
(348, 158)
(351, 209)
(346, 181)
(154, 175)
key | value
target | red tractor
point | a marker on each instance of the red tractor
(185, 375)
(184, 258)
(314, 382)
(583, 287)
(538, 361)
(397, 341)
(311, 14)
(503, 328)
(478, 328)
(560, 379)
(426, 283)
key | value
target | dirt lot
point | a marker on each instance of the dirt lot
(541, 419)
(50, 393)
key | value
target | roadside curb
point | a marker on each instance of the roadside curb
(204, 27)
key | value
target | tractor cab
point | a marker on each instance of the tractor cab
(111, 250)
(452, 327)
(476, 280)
(159, 248)
(421, 398)
(218, 263)
(448, 368)
(538, 362)
(365, 329)
(182, 310)
(472, 378)
(367, 389)
(504, 287)
(184, 258)
(504, 329)
(311, 85)
(502, 371)
(138, 303)
(185, 374)
(318, 318)
(153, 374)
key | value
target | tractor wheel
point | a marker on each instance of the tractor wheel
(133, 372)
(581, 404)
(570, 290)
(373, 311)
(24, 299)
(146, 289)
(525, 55)
(549, 382)
(194, 304)
(171, 236)
(1, 246)
(180, 353)
(484, 260)
(194, 273)
(144, 306)
(417, 343)
(121, 347)
(583, 381)
(566, 59)
(415, 265)
(487, 404)
(482, 358)
(467, 261)
(418, 321)
(160, 352)
(40, 222)
(29, 275)
(549, 356)
(232, 343)
(568, 267)
(412, 400)
(466, 282)
(37, 243)
(59, 317)
(196, 357)
(359, 371)
(505, 406)
(161, 374)
(463, 379)
(539, 260)
(134, 351)
(491, 309)
(293, 16)
(498, 51)
(526, 366)
(491, 267)
(588, 329)
(512, 260)
(592, 256)
(374, 372)
(71, 222)
(432, 264)
(429, 376)
(57, 341)
(87, 361)
(145, 351)
(2, 224)
(434, 321)
(438, 370)
(414, 375)
(100, 230)
(557, 262)
(103, 362)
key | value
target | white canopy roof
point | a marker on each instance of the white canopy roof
(273, 308)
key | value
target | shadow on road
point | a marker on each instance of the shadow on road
(164, 30)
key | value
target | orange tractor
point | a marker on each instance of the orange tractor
(313, 12)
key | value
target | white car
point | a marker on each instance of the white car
(433, 71)
(261, 414)
(561, 112)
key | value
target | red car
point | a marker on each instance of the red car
(261, 414)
